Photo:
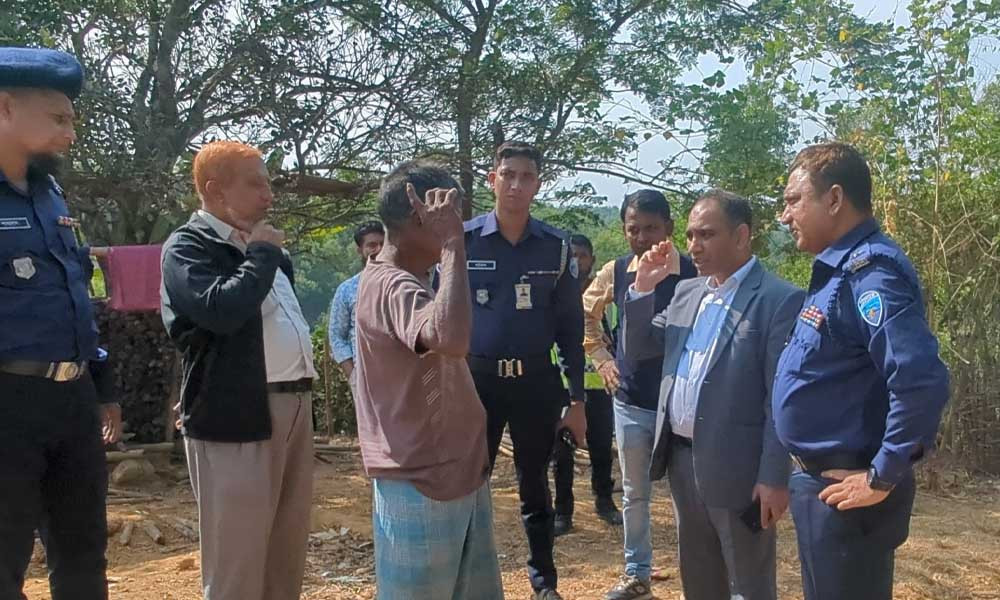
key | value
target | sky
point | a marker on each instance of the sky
(986, 62)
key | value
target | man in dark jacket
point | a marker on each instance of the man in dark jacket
(229, 305)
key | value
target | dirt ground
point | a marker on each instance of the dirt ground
(953, 551)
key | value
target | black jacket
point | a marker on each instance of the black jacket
(210, 303)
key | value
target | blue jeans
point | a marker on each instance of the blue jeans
(635, 429)
(426, 549)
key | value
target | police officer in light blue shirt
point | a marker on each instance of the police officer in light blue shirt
(52, 468)
(860, 387)
(525, 297)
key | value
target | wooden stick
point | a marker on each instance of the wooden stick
(132, 500)
(126, 536)
(328, 385)
(329, 448)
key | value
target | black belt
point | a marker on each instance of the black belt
(681, 440)
(850, 461)
(511, 368)
(56, 371)
(290, 387)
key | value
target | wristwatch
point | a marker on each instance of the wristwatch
(878, 484)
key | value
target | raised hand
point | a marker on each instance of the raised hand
(263, 232)
(440, 211)
(659, 262)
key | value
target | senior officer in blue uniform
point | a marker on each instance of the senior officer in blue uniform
(859, 389)
(52, 465)
(526, 296)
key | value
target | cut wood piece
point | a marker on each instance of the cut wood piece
(328, 448)
(124, 455)
(153, 533)
(131, 500)
(126, 537)
(183, 529)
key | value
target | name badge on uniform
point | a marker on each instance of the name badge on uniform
(481, 265)
(482, 296)
(24, 267)
(522, 295)
(14, 223)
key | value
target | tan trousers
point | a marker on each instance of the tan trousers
(253, 506)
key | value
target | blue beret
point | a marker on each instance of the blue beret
(41, 68)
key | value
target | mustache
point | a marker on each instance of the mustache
(46, 164)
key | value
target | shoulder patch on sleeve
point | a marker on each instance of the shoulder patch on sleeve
(871, 308)
(574, 268)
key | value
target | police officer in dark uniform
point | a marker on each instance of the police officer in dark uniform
(859, 389)
(52, 468)
(526, 296)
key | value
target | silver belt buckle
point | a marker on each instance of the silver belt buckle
(65, 371)
(509, 368)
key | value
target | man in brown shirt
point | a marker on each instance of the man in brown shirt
(421, 425)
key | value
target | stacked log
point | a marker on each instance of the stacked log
(142, 360)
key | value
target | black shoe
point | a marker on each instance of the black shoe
(630, 588)
(547, 594)
(607, 511)
(563, 524)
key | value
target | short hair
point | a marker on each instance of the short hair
(512, 149)
(735, 208)
(647, 201)
(366, 228)
(578, 239)
(394, 205)
(215, 162)
(836, 163)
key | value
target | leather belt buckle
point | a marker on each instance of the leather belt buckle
(65, 371)
(509, 368)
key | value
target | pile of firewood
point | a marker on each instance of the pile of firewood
(142, 359)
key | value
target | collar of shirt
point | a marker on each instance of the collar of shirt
(34, 178)
(491, 226)
(835, 253)
(225, 230)
(734, 280)
(633, 264)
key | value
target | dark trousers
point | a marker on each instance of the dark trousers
(848, 554)
(53, 478)
(600, 426)
(531, 406)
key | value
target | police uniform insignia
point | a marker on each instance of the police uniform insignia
(870, 306)
(24, 267)
(482, 296)
(812, 316)
(65, 221)
(858, 260)
(574, 268)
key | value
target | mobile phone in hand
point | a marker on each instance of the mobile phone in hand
(751, 516)
(567, 438)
